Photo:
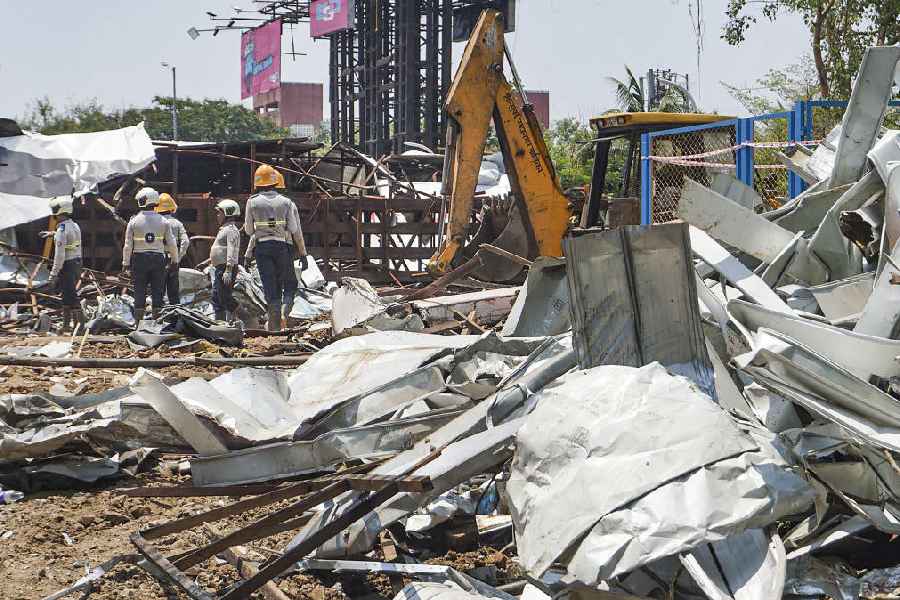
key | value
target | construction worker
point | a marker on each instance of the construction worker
(224, 258)
(66, 269)
(290, 282)
(149, 240)
(167, 208)
(269, 217)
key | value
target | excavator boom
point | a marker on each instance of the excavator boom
(534, 222)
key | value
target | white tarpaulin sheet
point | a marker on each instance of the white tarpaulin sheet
(21, 209)
(55, 165)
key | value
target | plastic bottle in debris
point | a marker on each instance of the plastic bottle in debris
(10, 496)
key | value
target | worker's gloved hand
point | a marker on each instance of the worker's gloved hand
(126, 271)
(305, 262)
(46, 234)
(228, 277)
(53, 283)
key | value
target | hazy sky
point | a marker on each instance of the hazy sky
(111, 50)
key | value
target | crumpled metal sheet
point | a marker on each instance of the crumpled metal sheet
(354, 303)
(638, 427)
(17, 270)
(112, 313)
(176, 321)
(816, 578)
(865, 113)
(352, 366)
(473, 443)
(862, 355)
(747, 566)
(881, 315)
(717, 257)
(164, 401)
(542, 306)
(809, 208)
(736, 190)
(490, 306)
(885, 155)
(731, 223)
(616, 279)
(823, 388)
(845, 297)
(289, 459)
(829, 255)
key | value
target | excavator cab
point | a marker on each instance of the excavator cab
(623, 205)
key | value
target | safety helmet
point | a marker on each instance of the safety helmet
(279, 178)
(147, 198)
(229, 208)
(167, 204)
(61, 205)
(266, 176)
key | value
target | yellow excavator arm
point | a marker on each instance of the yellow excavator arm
(534, 223)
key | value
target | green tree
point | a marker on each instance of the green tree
(198, 121)
(840, 31)
(630, 96)
(778, 89)
(571, 150)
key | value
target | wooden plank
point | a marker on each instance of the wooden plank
(357, 511)
(258, 529)
(168, 570)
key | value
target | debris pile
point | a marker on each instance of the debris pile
(705, 408)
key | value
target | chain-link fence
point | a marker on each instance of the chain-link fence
(698, 154)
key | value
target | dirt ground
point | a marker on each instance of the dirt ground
(27, 380)
(51, 539)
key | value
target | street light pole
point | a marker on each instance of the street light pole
(174, 108)
(174, 103)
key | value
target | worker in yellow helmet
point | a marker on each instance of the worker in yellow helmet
(291, 284)
(271, 220)
(167, 208)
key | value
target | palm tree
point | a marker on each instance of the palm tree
(630, 96)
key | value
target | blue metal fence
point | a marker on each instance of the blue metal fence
(659, 195)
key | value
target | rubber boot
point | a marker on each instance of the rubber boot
(274, 318)
(288, 321)
(221, 315)
(66, 318)
(138, 317)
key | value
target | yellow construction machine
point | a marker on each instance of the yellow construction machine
(535, 219)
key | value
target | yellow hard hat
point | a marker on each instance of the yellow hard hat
(166, 204)
(265, 176)
(280, 180)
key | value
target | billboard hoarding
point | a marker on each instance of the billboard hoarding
(261, 59)
(330, 16)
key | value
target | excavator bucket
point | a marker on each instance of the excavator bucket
(502, 226)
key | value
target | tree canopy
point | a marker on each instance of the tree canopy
(198, 120)
(840, 31)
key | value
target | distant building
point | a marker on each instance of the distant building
(541, 101)
(294, 106)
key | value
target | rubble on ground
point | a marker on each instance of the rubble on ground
(704, 408)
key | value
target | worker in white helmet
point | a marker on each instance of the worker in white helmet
(167, 207)
(224, 256)
(149, 240)
(66, 269)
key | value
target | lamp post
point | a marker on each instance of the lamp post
(174, 102)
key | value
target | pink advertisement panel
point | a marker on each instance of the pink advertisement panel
(261, 59)
(329, 16)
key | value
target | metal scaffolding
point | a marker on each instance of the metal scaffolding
(390, 76)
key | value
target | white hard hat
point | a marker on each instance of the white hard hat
(147, 197)
(229, 208)
(61, 205)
